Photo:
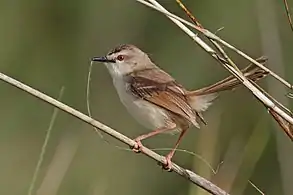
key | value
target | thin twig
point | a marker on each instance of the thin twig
(187, 174)
(255, 187)
(44, 146)
(216, 38)
(88, 98)
(288, 14)
(196, 22)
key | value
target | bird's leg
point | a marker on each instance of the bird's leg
(168, 163)
(137, 147)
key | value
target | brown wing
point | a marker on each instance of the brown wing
(159, 88)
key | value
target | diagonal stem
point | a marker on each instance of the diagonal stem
(187, 174)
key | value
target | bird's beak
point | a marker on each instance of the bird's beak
(102, 59)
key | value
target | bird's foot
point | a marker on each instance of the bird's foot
(167, 165)
(137, 147)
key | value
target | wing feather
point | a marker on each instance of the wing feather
(163, 91)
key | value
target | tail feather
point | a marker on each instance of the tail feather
(252, 72)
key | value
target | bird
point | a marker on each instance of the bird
(156, 100)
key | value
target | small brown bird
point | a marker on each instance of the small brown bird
(157, 100)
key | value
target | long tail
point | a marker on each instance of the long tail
(251, 72)
(201, 99)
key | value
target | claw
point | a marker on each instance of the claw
(137, 147)
(168, 164)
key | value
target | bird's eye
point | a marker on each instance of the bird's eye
(120, 57)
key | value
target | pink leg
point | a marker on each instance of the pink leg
(168, 162)
(138, 140)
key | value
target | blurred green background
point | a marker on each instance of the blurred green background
(48, 44)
